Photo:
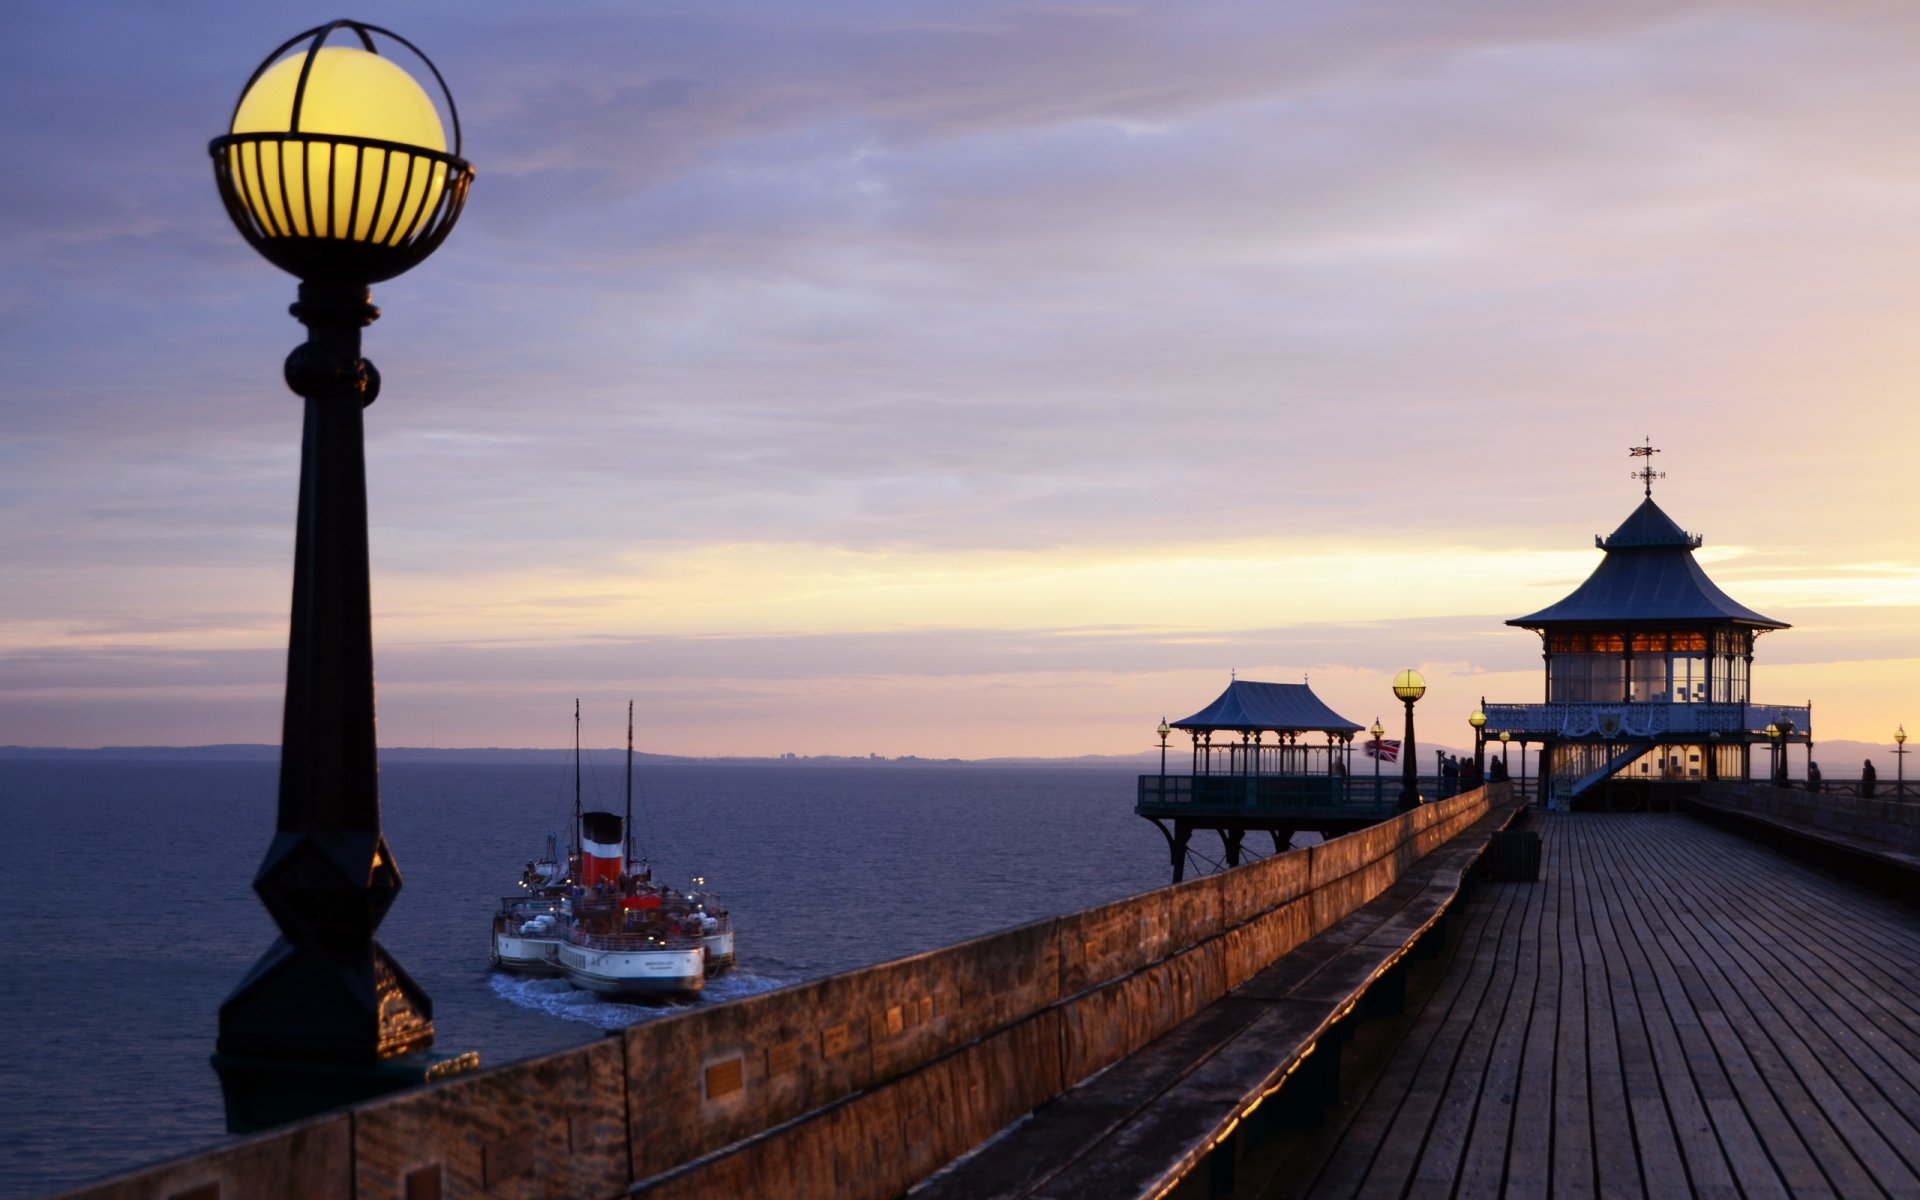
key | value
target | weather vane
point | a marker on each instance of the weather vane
(1646, 474)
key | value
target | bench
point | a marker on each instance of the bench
(1890, 869)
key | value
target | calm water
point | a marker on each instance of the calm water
(129, 915)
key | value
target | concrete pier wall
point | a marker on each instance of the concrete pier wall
(852, 1086)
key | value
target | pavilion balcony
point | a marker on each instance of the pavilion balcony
(1586, 720)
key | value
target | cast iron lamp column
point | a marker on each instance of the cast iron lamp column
(1409, 685)
(1900, 761)
(1479, 722)
(1773, 754)
(335, 169)
(1378, 731)
(1163, 731)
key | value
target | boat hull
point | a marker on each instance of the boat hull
(633, 972)
(718, 948)
(526, 955)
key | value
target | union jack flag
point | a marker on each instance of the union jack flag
(1385, 749)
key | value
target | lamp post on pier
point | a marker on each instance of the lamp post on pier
(1479, 722)
(1163, 731)
(1900, 761)
(335, 168)
(1409, 686)
(1505, 738)
(1378, 731)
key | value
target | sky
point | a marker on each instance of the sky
(974, 379)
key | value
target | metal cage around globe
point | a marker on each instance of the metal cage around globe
(335, 165)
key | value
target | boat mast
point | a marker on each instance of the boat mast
(576, 779)
(629, 825)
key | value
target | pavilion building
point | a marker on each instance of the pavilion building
(1267, 758)
(1649, 670)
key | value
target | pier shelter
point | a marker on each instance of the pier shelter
(1267, 758)
(1649, 670)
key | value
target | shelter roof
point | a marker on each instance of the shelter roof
(1648, 574)
(1247, 705)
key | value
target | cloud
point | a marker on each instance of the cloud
(1094, 281)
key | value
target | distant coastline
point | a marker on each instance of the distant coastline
(256, 753)
(1839, 759)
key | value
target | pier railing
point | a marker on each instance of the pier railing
(1643, 719)
(853, 1086)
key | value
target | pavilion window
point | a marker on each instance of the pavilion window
(1648, 676)
(1689, 676)
(1590, 678)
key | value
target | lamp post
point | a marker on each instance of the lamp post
(1479, 722)
(1900, 761)
(335, 169)
(1505, 738)
(1378, 731)
(1409, 685)
(1786, 735)
(1773, 752)
(1163, 731)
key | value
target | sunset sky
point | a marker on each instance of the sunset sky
(975, 379)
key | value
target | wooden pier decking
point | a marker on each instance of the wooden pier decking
(1670, 1011)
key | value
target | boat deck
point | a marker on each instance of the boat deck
(1670, 1011)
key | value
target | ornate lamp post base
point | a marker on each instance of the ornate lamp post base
(261, 1093)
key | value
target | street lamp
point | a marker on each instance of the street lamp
(1505, 738)
(1900, 761)
(1479, 722)
(334, 168)
(1409, 685)
(1773, 759)
(1164, 730)
(1378, 731)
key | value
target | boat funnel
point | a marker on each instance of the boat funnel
(601, 851)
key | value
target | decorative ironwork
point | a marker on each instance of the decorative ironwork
(1646, 474)
(386, 205)
(1570, 720)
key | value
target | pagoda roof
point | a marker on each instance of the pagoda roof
(1249, 706)
(1648, 574)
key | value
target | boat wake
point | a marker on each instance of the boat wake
(558, 998)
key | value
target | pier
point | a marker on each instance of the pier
(1672, 1008)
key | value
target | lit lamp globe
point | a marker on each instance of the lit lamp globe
(1409, 685)
(335, 165)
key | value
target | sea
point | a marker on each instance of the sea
(129, 916)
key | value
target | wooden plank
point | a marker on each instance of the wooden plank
(1701, 1017)
(1847, 1111)
(1467, 1146)
(1622, 1165)
(1663, 1055)
(1529, 1166)
(1573, 1116)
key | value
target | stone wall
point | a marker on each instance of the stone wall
(856, 1085)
